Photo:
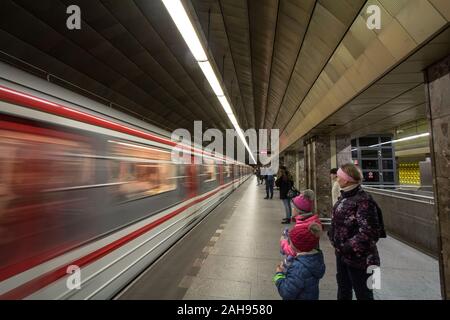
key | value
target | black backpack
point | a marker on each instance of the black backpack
(381, 230)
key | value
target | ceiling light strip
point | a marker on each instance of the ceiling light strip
(401, 139)
(181, 19)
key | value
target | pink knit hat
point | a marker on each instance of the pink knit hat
(304, 201)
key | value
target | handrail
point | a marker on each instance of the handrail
(396, 186)
(399, 192)
(398, 195)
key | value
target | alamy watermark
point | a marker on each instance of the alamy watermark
(374, 281)
(73, 22)
(74, 279)
(374, 20)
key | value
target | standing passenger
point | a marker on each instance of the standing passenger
(355, 229)
(258, 175)
(335, 189)
(285, 183)
(269, 183)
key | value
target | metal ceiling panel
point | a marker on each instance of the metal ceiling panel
(407, 106)
(318, 47)
(280, 64)
(263, 19)
(64, 49)
(293, 19)
(166, 71)
(420, 29)
(443, 6)
(386, 125)
(235, 15)
(397, 40)
(212, 22)
(46, 62)
(361, 74)
(159, 19)
(394, 7)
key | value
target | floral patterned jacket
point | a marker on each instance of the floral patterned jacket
(355, 229)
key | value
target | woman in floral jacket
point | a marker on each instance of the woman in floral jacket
(355, 229)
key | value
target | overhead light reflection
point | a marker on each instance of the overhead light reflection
(401, 139)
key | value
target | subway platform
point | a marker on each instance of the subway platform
(232, 254)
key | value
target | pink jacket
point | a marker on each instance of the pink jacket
(300, 220)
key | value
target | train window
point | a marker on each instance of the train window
(140, 171)
(36, 160)
(227, 171)
(209, 170)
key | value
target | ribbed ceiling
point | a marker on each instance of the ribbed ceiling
(286, 64)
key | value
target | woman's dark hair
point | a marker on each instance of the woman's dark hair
(334, 171)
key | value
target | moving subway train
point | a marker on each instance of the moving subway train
(84, 195)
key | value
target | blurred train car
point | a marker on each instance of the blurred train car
(81, 188)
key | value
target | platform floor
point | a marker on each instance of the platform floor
(232, 254)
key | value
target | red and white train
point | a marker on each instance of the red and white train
(87, 186)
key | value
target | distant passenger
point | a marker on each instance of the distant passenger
(258, 175)
(356, 226)
(299, 280)
(335, 189)
(262, 177)
(285, 183)
(269, 182)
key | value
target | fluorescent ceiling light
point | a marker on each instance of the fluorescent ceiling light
(211, 77)
(233, 120)
(402, 139)
(184, 25)
(412, 137)
(226, 106)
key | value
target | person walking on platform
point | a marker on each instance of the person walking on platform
(299, 280)
(269, 183)
(356, 226)
(285, 183)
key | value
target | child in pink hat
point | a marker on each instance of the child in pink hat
(300, 279)
(304, 217)
(304, 203)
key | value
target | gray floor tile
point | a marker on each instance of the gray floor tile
(264, 290)
(219, 288)
(229, 268)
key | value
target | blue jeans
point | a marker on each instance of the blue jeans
(287, 207)
(269, 188)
